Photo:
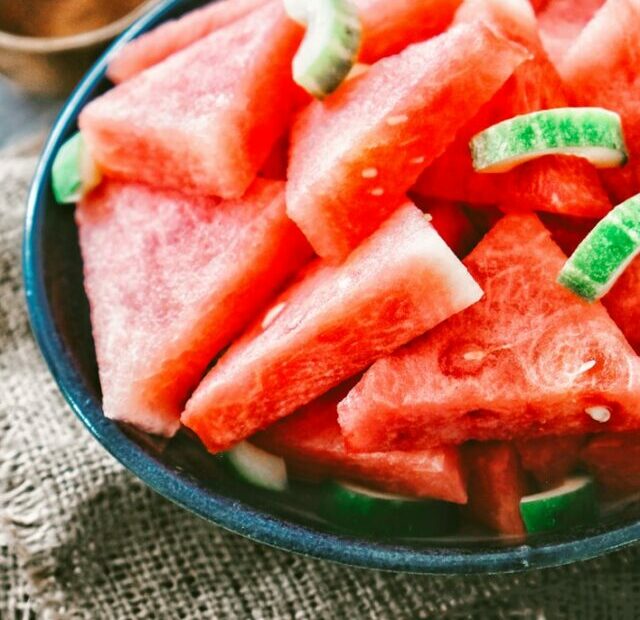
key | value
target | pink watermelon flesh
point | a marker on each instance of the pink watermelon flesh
(614, 460)
(561, 22)
(330, 325)
(601, 69)
(496, 485)
(528, 360)
(205, 120)
(388, 27)
(354, 155)
(172, 36)
(550, 459)
(623, 303)
(555, 184)
(311, 442)
(171, 280)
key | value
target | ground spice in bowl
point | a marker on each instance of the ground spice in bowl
(60, 18)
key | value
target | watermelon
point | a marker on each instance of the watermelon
(311, 443)
(531, 359)
(388, 27)
(561, 22)
(205, 120)
(601, 69)
(496, 485)
(172, 36)
(566, 231)
(451, 223)
(170, 281)
(623, 303)
(354, 155)
(614, 461)
(330, 325)
(535, 85)
(550, 459)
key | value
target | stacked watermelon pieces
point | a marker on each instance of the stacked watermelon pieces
(332, 281)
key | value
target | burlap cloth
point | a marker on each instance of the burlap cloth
(80, 537)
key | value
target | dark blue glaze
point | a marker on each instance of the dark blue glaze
(181, 470)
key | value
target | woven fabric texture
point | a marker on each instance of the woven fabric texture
(82, 538)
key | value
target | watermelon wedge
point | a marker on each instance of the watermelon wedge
(172, 36)
(561, 22)
(614, 460)
(354, 155)
(330, 325)
(550, 459)
(566, 231)
(623, 304)
(389, 27)
(496, 486)
(556, 184)
(531, 359)
(205, 120)
(601, 69)
(190, 273)
(312, 444)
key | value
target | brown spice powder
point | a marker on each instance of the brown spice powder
(60, 18)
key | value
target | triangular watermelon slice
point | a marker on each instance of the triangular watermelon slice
(623, 303)
(329, 326)
(561, 22)
(602, 69)
(535, 85)
(205, 120)
(614, 460)
(172, 36)
(496, 485)
(550, 459)
(354, 155)
(530, 359)
(312, 444)
(171, 280)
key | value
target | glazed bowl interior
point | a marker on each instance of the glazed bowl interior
(180, 469)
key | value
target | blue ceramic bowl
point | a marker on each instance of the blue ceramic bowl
(181, 470)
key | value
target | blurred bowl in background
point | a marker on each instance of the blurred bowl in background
(52, 65)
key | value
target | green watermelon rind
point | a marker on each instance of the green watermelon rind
(593, 133)
(604, 254)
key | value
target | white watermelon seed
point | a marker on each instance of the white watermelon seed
(586, 366)
(474, 356)
(272, 315)
(369, 173)
(599, 413)
(377, 191)
(397, 120)
(417, 160)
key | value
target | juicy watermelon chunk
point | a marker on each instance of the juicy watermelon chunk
(561, 22)
(623, 303)
(354, 155)
(601, 69)
(567, 232)
(205, 120)
(311, 442)
(172, 36)
(330, 325)
(614, 460)
(550, 459)
(530, 359)
(558, 184)
(388, 27)
(171, 280)
(496, 485)
(452, 224)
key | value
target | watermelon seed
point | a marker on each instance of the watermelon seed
(417, 160)
(377, 191)
(586, 366)
(369, 173)
(272, 315)
(397, 120)
(599, 414)
(428, 217)
(474, 356)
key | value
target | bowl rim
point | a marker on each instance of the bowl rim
(89, 38)
(226, 512)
